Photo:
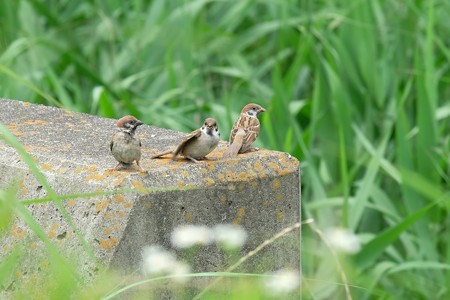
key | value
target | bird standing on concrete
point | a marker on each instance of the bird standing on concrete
(199, 143)
(245, 131)
(125, 144)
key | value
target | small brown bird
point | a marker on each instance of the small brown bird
(125, 145)
(199, 143)
(245, 131)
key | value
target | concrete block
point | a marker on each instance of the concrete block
(259, 191)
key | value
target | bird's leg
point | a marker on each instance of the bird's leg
(192, 159)
(116, 167)
(140, 168)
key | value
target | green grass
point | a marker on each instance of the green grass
(357, 90)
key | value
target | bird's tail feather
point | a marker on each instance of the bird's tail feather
(234, 148)
(162, 154)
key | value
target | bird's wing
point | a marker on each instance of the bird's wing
(251, 133)
(187, 139)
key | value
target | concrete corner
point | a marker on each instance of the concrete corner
(259, 191)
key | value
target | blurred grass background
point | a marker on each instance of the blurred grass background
(357, 90)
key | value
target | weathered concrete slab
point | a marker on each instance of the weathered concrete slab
(259, 190)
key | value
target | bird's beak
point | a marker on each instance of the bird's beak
(261, 109)
(138, 123)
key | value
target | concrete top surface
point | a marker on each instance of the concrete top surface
(76, 142)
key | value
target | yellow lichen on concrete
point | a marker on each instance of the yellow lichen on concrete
(107, 230)
(107, 216)
(221, 177)
(231, 187)
(35, 148)
(239, 216)
(13, 129)
(279, 197)
(280, 215)
(52, 233)
(17, 232)
(119, 181)
(96, 176)
(274, 167)
(275, 184)
(119, 198)
(211, 166)
(127, 204)
(100, 205)
(229, 174)
(92, 168)
(46, 167)
(62, 170)
(242, 176)
(188, 217)
(117, 225)
(78, 170)
(109, 244)
(209, 181)
(259, 168)
(23, 190)
(121, 214)
(184, 173)
(288, 162)
(254, 183)
(36, 122)
(138, 186)
(181, 184)
(266, 203)
(70, 203)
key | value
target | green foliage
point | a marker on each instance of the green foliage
(357, 90)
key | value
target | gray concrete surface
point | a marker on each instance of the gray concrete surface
(259, 191)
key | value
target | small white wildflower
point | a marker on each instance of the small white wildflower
(189, 235)
(230, 236)
(343, 240)
(156, 260)
(181, 269)
(282, 282)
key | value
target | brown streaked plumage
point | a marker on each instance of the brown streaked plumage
(245, 130)
(199, 143)
(125, 145)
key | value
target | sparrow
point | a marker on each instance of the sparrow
(199, 143)
(125, 145)
(245, 130)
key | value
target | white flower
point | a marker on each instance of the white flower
(186, 236)
(282, 282)
(343, 240)
(230, 236)
(156, 260)
(181, 269)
